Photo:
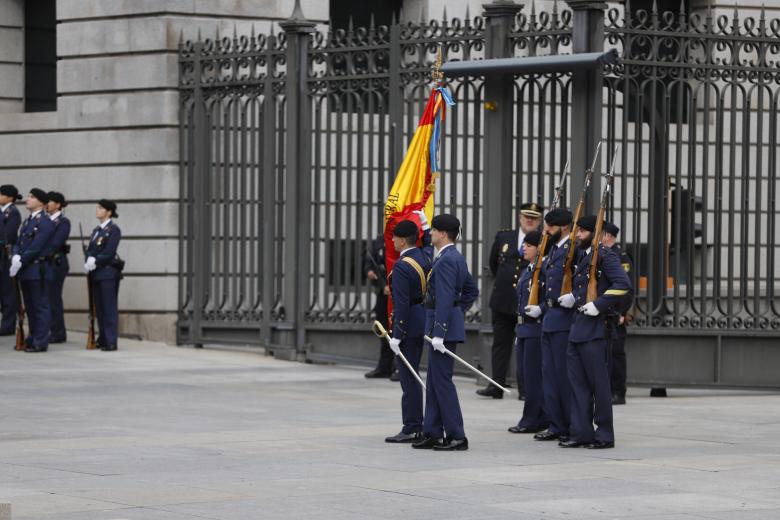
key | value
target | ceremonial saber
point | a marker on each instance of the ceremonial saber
(469, 366)
(380, 331)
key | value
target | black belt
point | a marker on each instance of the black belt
(416, 301)
(553, 304)
(526, 320)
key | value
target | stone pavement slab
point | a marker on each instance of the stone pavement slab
(157, 432)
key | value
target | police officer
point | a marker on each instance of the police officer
(451, 291)
(57, 256)
(587, 351)
(507, 265)
(558, 317)
(529, 341)
(374, 269)
(30, 268)
(408, 281)
(617, 336)
(104, 268)
(10, 220)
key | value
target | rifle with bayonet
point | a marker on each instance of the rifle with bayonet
(91, 298)
(20, 313)
(566, 285)
(592, 281)
(533, 295)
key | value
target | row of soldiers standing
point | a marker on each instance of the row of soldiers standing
(34, 265)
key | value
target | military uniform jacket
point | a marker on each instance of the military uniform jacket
(628, 266)
(377, 252)
(407, 288)
(56, 251)
(103, 246)
(613, 287)
(34, 237)
(451, 291)
(556, 319)
(528, 327)
(10, 220)
(507, 266)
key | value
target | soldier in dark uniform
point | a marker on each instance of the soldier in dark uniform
(529, 341)
(588, 350)
(507, 265)
(617, 365)
(57, 255)
(374, 269)
(451, 291)
(105, 269)
(29, 266)
(408, 282)
(10, 220)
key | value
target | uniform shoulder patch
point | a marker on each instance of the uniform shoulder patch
(626, 267)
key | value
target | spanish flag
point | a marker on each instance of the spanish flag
(416, 179)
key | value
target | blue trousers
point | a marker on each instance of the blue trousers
(56, 307)
(36, 304)
(442, 409)
(557, 390)
(105, 293)
(529, 350)
(411, 396)
(8, 304)
(592, 401)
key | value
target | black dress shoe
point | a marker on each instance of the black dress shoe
(618, 399)
(491, 391)
(404, 438)
(523, 429)
(108, 348)
(453, 445)
(521, 396)
(395, 376)
(427, 443)
(377, 374)
(7, 332)
(600, 445)
(546, 435)
(36, 349)
(571, 443)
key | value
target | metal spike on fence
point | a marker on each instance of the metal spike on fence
(655, 8)
(682, 7)
(533, 8)
(393, 19)
(444, 14)
(627, 14)
(422, 14)
(198, 33)
(350, 26)
(181, 37)
(555, 7)
(468, 14)
(371, 23)
(217, 32)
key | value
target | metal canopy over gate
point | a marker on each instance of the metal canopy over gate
(289, 143)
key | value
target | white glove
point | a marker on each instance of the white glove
(567, 301)
(590, 309)
(90, 265)
(423, 219)
(533, 311)
(438, 345)
(395, 345)
(16, 264)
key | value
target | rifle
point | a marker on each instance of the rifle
(379, 270)
(19, 316)
(592, 282)
(91, 345)
(567, 268)
(533, 295)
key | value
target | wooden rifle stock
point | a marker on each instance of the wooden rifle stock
(597, 231)
(19, 316)
(91, 345)
(567, 267)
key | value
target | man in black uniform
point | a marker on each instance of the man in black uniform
(375, 270)
(617, 336)
(507, 265)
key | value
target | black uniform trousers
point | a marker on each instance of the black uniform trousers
(8, 304)
(504, 326)
(412, 393)
(617, 361)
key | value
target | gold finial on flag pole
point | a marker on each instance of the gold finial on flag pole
(436, 74)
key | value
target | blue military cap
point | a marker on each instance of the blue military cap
(9, 190)
(588, 222)
(445, 222)
(59, 198)
(558, 217)
(533, 238)
(109, 205)
(531, 209)
(405, 229)
(611, 228)
(40, 195)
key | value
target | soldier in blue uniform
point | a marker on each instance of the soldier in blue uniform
(10, 220)
(451, 291)
(374, 270)
(617, 327)
(30, 268)
(529, 341)
(57, 256)
(408, 281)
(104, 267)
(558, 317)
(507, 264)
(587, 351)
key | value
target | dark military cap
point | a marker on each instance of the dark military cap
(40, 195)
(533, 238)
(558, 217)
(405, 229)
(611, 228)
(109, 205)
(531, 209)
(446, 222)
(59, 198)
(9, 190)
(588, 223)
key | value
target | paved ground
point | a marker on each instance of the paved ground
(159, 433)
